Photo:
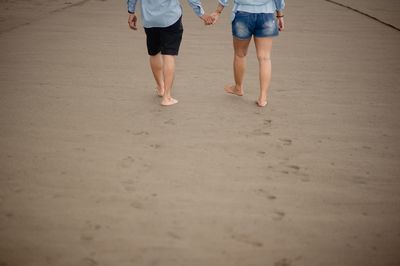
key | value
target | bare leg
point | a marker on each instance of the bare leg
(169, 74)
(239, 65)
(156, 64)
(263, 48)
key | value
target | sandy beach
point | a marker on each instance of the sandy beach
(94, 172)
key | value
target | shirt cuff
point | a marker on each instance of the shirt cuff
(131, 8)
(224, 3)
(199, 11)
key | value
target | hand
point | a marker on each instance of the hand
(132, 19)
(215, 16)
(208, 20)
(281, 24)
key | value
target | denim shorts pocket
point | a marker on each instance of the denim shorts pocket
(266, 25)
(240, 26)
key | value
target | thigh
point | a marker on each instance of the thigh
(241, 46)
(171, 38)
(263, 47)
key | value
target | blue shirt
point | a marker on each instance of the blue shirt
(255, 6)
(162, 13)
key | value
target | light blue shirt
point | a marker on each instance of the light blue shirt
(162, 13)
(255, 6)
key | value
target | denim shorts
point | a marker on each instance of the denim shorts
(260, 25)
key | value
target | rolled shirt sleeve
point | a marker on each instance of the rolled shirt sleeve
(131, 6)
(196, 6)
(280, 4)
(223, 2)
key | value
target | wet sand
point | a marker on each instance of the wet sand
(93, 171)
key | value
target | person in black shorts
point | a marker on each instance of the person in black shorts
(162, 21)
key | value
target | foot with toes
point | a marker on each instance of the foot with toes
(233, 89)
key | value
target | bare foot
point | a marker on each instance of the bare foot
(261, 103)
(169, 101)
(160, 92)
(232, 89)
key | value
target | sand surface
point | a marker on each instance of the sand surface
(387, 11)
(93, 171)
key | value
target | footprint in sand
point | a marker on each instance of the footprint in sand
(9, 215)
(87, 237)
(173, 235)
(89, 231)
(265, 194)
(245, 239)
(155, 146)
(294, 167)
(278, 215)
(127, 162)
(88, 262)
(305, 179)
(170, 122)
(283, 262)
(286, 142)
(360, 180)
(260, 132)
(128, 185)
(267, 122)
(137, 205)
(140, 133)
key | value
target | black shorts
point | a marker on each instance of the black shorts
(165, 40)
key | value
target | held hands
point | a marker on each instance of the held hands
(208, 20)
(215, 16)
(212, 18)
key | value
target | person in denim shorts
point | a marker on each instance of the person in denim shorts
(262, 19)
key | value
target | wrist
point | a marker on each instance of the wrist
(131, 12)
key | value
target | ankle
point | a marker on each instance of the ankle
(238, 87)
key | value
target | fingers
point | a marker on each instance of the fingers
(132, 20)
(132, 25)
(281, 24)
(208, 20)
(215, 17)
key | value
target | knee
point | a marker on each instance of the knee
(263, 58)
(240, 55)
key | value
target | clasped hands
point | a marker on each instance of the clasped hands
(210, 19)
